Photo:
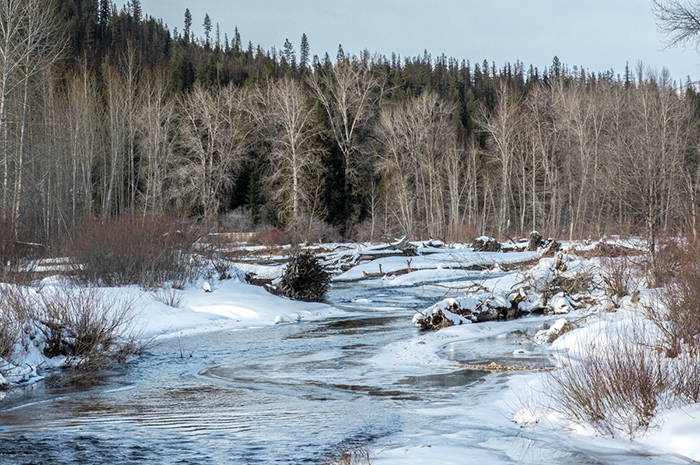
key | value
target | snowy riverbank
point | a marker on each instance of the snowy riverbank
(468, 281)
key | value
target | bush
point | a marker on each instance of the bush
(271, 238)
(305, 278)
(617, 276)
(349, 454)
(17, 249)
(677, 314)
(131, 249)
(15, 311)
(90, 330)
(616, 387)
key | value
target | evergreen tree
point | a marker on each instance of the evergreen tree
(236, 41)
(105, 11)
(137, 12)
(207, 28)
(340, 57)
(188, 25)
(288, 53)
(304, 52)
(556, 67)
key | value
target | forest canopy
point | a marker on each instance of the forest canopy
(106, 111)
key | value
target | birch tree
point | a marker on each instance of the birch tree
(504, 127)
(350, 94)
(291, 128)
(215, 136)
(416, 139)
(30, 43)
(156, 126)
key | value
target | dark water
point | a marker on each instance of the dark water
(286, 394)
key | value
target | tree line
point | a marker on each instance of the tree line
(105, 112)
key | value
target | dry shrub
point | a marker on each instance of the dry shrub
(677, 313)
(319, 231)
(170, 296)
(131, 249)
(305, 278)
(462, 233)
(17, 250)
(349, 454)
(617, 276)
(15, 311)
(11, 250)
(90, 330)
(271, 238)
(618, 387)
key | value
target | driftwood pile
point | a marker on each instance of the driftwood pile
(305, 278)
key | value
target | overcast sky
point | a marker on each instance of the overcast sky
(596, 34)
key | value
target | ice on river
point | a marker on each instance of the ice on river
(458, 417)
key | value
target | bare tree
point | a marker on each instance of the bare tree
(156, 127)
(287, 115)
(30, 44)
(215, 137)
(679, 20)
(655, 139)
(504, 127)
(417, 138)
(349, 92)
(86, 140)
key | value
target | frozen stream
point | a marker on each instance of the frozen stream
(287, 394)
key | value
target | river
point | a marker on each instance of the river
(289, 394)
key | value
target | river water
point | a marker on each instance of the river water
(289, 394)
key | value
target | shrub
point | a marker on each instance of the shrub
(677, 313)
(617, 276)
(271, 238)
(305, 278)
(17, 249)
(15, 311)
(90, 330)
(615, 388)
(461, 232)
(349, 454)
(131, 249)
(170, 296)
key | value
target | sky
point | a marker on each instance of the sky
(597, 35)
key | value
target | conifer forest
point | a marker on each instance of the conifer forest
(107, 111)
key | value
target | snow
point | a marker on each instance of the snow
(229, 304)
(233, 304)
(445, 259)
(205, 306)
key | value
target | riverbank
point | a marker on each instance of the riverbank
(497, 362)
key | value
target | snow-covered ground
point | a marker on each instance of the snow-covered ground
(214, 305)
(209, 305)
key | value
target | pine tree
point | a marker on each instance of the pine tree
(556, 67)
(105, 11)
(304, 52)
(188, 24)
(289, 54)
(341, 54)
(236, 40)
(136, 10)
(207, 28)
